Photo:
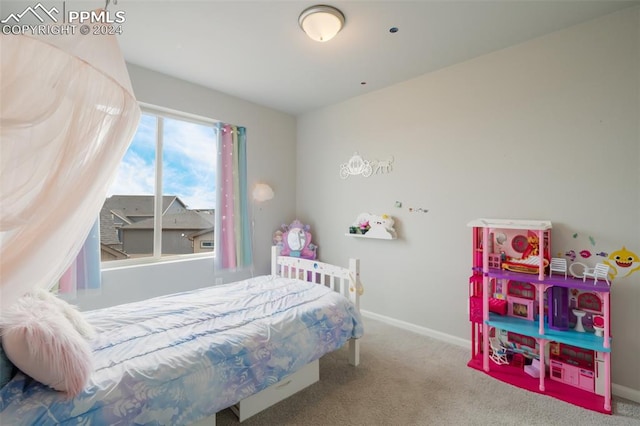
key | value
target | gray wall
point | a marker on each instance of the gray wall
(137, 241)
(544, 130)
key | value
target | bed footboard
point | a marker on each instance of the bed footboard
(345, 281)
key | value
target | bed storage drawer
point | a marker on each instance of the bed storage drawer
(307, 375)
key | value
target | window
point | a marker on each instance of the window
(169, 168)
(206, 244)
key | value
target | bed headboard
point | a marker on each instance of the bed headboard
(345, 281)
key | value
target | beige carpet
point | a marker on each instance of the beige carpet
(409, 379)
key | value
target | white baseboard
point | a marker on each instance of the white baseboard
(625, 392)
(617, 390)
(418, 329)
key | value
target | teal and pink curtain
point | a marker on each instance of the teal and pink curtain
(233, 231)
(84, 272)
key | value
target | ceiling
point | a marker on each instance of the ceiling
(256, 51)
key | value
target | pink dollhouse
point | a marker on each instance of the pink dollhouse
(557, 324)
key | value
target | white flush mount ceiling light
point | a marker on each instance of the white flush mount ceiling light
(321, 22)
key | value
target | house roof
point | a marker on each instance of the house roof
(108, 231)
(136, 211)
(193, 235)
(187, 220)
(114, 252)
(139, 205)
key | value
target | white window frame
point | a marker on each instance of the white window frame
(157, 257)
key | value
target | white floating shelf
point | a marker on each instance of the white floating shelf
(379, 227)
(371, 237)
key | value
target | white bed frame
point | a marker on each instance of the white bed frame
(345, 281)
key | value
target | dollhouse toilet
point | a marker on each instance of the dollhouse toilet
(598, 324)
(579, 314)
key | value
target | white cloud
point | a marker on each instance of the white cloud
(190, 163)
(189, 158)
(135, 177)
(192, 141)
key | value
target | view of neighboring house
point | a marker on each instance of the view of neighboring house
(126, 227)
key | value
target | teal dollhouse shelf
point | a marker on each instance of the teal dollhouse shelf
(530, 328)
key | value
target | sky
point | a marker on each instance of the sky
(189, 159)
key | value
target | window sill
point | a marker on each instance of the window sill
(129, 263)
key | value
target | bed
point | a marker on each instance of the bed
(179, 359)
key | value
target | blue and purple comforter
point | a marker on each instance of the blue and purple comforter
(175, 359)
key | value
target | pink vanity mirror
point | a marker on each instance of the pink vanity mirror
(295, 241)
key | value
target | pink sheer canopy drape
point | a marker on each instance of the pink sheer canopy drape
(67, 116)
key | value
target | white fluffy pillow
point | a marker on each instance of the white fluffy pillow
(69, 311)
(43, 343)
